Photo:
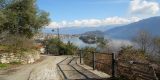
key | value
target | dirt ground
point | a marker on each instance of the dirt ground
(45, 69)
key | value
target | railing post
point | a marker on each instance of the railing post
(113, 65)
(80, 56)
(94, 60)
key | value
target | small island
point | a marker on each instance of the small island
(91, 37)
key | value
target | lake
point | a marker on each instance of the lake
(76, 41)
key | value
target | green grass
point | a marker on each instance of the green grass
(15, 63)
(2, 66)
(5, 66)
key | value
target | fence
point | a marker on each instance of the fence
(100, 61)
(136, 70)
(110, 64)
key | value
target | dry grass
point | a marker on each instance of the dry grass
(135, 71)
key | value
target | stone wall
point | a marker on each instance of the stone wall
(24, 58)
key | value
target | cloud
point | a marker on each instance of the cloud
(93, 22)
(116, 44)
(144, 7)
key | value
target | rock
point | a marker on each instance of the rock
(4, 60)
(28, 57)
(31, 60)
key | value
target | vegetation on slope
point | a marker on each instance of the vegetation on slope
(20, 20)
(57, 47)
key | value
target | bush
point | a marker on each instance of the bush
(130, 54)
(56, 47)
(15, 62)
(70, 49)
(16, 43)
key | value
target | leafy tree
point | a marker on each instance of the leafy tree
(23, 17)
(101, 43)
(70, 48)
(87, 51)
(54, 46)
(2, 18)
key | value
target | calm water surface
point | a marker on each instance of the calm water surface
(76, 41)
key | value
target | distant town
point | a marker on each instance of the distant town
(42, 36)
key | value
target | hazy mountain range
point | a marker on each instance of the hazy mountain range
(78, 30)
(152, 25)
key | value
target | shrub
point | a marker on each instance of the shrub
(130, 54)
(70, 49)
(54, 46)
(16, 43)
(15, 62)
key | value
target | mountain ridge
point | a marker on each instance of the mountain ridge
(77, 30)
(152, 25)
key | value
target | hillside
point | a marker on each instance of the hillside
(77, 30)
(152, 25)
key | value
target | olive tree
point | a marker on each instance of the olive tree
(23, 17)
(20, 20)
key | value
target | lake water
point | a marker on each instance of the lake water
(113, 43)
(76, 41)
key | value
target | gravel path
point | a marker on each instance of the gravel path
(73, 71)
(47, 69)
(44, 70)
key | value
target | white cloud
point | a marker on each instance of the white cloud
(94, 22)
(144, 7)
(116, 44)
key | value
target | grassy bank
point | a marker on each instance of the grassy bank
(3, 66)
(10, 65)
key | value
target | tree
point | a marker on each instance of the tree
(2, 18)
(70, 48)
(54, 46)
(144, 40)
(102, 44)
(23, 17)
(157, 45)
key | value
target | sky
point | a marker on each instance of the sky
(95, 13)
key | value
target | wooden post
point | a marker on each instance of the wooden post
(113, 66)
(80, 56)
(94, 60)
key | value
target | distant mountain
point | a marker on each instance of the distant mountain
(77, 30)
(152, 25)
